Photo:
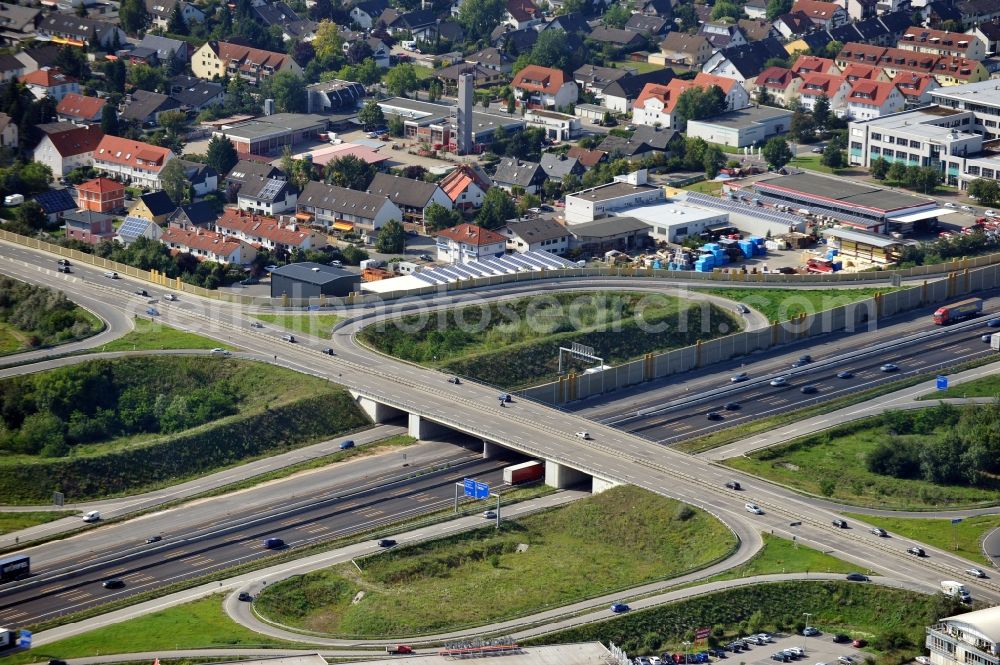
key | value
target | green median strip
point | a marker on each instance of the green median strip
(964, 538)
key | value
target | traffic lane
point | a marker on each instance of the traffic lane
(174, 562)
(179, 521)
(762, 400)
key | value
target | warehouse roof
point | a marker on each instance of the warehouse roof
(313, 273)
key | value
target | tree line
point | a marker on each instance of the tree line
(46, 315)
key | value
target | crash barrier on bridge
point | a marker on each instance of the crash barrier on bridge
(479, 648)
(856, 316)
(728, 276)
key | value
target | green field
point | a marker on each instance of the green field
(516, 343)
(11, 339)
(710, 187)
(832, 464)
(785, 304)
(984, 386)
(811, 162)
(480, 577)
(10, 522)
(780, 555)
(966, 535)
(154, 336)
(639, 67)
(319, 325)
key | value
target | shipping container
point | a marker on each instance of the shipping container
(524, 473)
(14, 568)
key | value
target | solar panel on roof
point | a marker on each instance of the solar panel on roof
(424, 278)
(508, 266)
(462, 270)
(477, 268)
(433, 277)
(270, 189)
(518, 261)
(132, 227)
(534, 261)
(545, 259)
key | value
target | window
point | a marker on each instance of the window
(877, 151)
(890, 139)
(973, 170)
(876, 136)
(900, 154)
(914, 144)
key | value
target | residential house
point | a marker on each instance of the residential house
(858, 71)
(951, 70)
(737, 96)
(78, 31)
(133, 228)
(55, 203)
(655, 104)
(625, 41)
(481, 76)
(620, 95)
(88, 226)
(272, 196)
(722, 35)
(544, 87)
(274, 13)
(942, 42)
(50, 82)
(834, 87)
(594, 79)
(948, 70)
(465, 187)
(514, 172)
(419, 24)
(492, 58)
(978, 11)
(34, 59)
(780, 84)
(146, 107)
(247, 171)
(18, 23)
(267, 232)
(342, 209)
(202, 178)
(101, 195)
(509, 40)
(988, 35)
(154, 206)
(208, 246)
(80, 109)
(166, 48)
(8, 132)
(570, 23)
(160, 12)
(654, 7)
(411, 196)
(648, 26)
(195, 94)
(744, 62)
(334, 96)
(825, 14)
(757, 29)
(131, 161)
(869, 99)
(467, 242)
(381, 53)
(521, 14)
(682, 49)
(68, 149)
(366, 12)
(541, 234)
(794, 24)
(191, 216)
(644, 139)
(588, 158)
(755, 9)
(557, 167)
(219, 59)
(10, 68)
(859, 10)
(806, 64)
(915, 88)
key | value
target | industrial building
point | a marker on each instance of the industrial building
(742, 127)
(973, 637)
(863, 246)
(312, 280)
(268, 135)
(438, 124)
(627, 191)
(673, 221)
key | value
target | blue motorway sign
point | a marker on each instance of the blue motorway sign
(956, 520)
(942, 383)
(25, 641)
(482, 490)
(470, 487)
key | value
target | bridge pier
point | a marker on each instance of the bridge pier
(562, 477)
(422, 429)
(378, 412)
(601, 484)
(491, 450)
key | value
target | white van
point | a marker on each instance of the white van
(92, 516)
(408, 45)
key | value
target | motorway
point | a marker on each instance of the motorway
(534, 429)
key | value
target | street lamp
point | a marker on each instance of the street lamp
(686, 645)
(808, 616)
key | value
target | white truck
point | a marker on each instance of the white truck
(955, 590)
(995, 342)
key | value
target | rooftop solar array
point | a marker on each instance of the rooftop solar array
(132, 227)
(744, 209)
(501, 265)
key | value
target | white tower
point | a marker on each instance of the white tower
(464, 134)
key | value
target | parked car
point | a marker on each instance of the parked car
(845, 660)
(990, 213)
(923, 660)
(736, 378)
(734, 485)
(810, 631)
(754, 508)
(968, 208)
(841, 638)
(386, 542)
(619, 608)
(856, 577)
(114, 583)
(426, 257)
(859, 644)
(779, 381)
(817, 150)
(949, 204)
(880, 532)
(840, 524)
(916, 551)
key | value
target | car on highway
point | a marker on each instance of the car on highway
(993, 323)
(840, 524)
(733, 406)
(114, 583)
(92, 516)
(505, 397)
(154, 539)
(916, 551)
(328, 351)
(619, 608)
(742, 309)
(111, 275)
(346, 445)
(803, 360)
(856, 577)
(152, 311)
(245, 597)
(880, 532)
(583, 435)
(889, 367)
(808, 390)
(455, 380)
(256, 324)
(142, 292)
(753, 508)
(713, 415)
(64, 262)
(736, 378)
(986, 338)
(734, 485)
(219, 351)
(169, 296)
(490, 515)
(66, 270)
(810, 631)
(386, 542)
(975, 572)
(859, 643)
(846, 374)
(779, 381)
(288, 338)
(274, 543)
(841, 638)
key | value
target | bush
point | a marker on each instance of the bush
(47, 316)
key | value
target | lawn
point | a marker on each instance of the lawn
(710, 187)
(832, 464)
(785, 304)
(984, 386)
(10, 522)
(639, 67)
(154, 336)
(11, 339)
(319, 325)
(940, 533)
(811, 162)
(780, 555)
(541, 561)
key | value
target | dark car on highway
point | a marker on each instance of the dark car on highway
(916, 551)
(713, 415)
(245, 597)
(732, 406)
(154, 539)
(840, 524)
(274, 543)
(856, 577)
(386, 542)
(846, 374)
(619, 608)
(733, 485)
(808, 390)
(113, 584)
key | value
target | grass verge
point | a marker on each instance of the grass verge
(779, 556)
(156, 336)
(785, 304)
(10, 522)
(964, 538)
(984, 386)
(479, 577)
(320, 325)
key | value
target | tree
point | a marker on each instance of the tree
(391, 238)
(550, 50)
(617, 16)
(833, 157)
(479, 17)
(879, 168)
(987, 192)
(177, 25)
(109, 119)
(145, 77)
(31, 215)
(497, 208)
(302, 53)
(288, 91)
(414, 172)
(396, 126)
(832, 49)
(221, 155)
(437, 217)
(777, 152)
(358, 51)
(115, 75)
(327, 43)
(698, 103)
(351, 172)
(686, 16)
(132, 16)
(401, 79)
(724, 8)
(174, 181)
(821, 111)
(776, 8)
(896, 172)
(371, 115)
(173, 121)
(713, 161)
(803, 127)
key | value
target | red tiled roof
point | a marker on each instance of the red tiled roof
(857, 70)
(874, 93)
(80, 106)
(132, 153)
(815, 9)
(458, 181)
(539, 79)
(262, 226)
(667, 94)
(811, 63)
(77, 141)
(101, 185)
(206, 241)
(708, 80)
(522, 10)
(815, 83)
(47, 78)
(470, 234)
(587, 157)
(775, 78)
(912, 84)
(941, 39)
(246, 56)
(955, 66)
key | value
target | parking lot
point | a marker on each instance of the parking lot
(818, 649)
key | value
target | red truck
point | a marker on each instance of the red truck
(958, 311)
(524, 473)
(399, 649)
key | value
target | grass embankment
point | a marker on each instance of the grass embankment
(780, 556)
(615, 540)
(116, 427)
(984, 386)
(967, 535)
(785, 304)
(155, 336)
(710, 187)
(890, 618)
(833, 464)
(32, 316)
(516, 343)
(318, 325)
(10, 522)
